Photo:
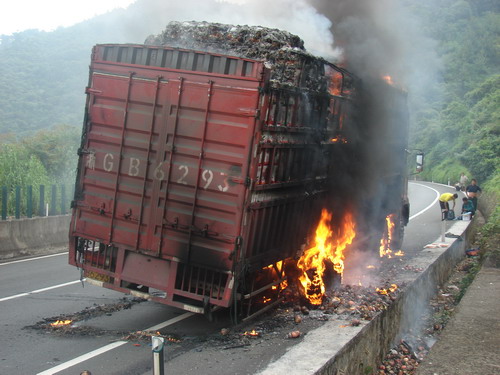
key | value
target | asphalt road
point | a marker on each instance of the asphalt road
(37, 291)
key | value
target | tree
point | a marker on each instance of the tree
(56, 148)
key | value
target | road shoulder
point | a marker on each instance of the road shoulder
(470, 343)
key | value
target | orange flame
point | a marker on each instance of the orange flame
(59, 323)
(252, 333)
(388, 79)
(335, 82)
(385, 243)
(312, 262)
(338, 139)
(391, 289)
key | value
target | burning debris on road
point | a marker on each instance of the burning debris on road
(70, 324)
(282, 51)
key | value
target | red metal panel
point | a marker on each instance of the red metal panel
(165, 162)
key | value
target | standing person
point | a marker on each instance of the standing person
(463, 181)
(444, 200)
(473, 191)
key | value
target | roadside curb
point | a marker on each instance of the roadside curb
(470, 342)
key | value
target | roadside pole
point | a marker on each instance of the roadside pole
(158, 345)
(443, 225)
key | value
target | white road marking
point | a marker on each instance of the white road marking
(104, 349)
(430, 205)
(39, 290)
(84, 357)
(169, 322)
(30, 259)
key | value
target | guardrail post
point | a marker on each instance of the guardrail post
(53, 201)
(158, 345)
(444, 215)
(29, 201)
(18, 202)
(63, 200)
(41, 203)
(4, 202)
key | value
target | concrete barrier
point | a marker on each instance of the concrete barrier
(35, 236)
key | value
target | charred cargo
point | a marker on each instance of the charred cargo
(198, 168)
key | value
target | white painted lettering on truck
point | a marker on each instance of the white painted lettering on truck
(226, 186)
(186, 171)
(158, 173)
(133, 169)
(91, 161)
(207, 177)
(108, 165)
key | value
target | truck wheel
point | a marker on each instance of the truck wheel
(207, 310)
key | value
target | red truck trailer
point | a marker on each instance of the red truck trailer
(199, 172)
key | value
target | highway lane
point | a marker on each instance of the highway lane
(28, 351)
(425, 214)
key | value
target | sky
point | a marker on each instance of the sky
(48, 15)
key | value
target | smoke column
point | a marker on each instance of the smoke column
(146, 17)
(380, 38)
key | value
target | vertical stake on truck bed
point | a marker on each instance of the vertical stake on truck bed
(120, 157)
(162, 140)
(200, 161)
(145, 180)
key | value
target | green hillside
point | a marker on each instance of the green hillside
(460, 133)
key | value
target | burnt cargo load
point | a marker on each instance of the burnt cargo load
(198, 169)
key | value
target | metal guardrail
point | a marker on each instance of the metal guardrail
(21, 202)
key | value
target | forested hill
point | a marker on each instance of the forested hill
(461, 132)
(43, 76)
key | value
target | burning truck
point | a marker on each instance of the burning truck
(210, 153)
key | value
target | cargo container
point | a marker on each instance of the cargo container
(199, 172)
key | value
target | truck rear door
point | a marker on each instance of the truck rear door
(166, 153)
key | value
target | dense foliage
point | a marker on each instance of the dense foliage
(47, 158)
(461, 132)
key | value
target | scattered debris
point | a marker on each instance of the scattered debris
(413, 268)
(253, 333)
(72, 324)
(293, 335)
(283, 52)
(435, 245)
(355, 322)
(146, 336)
(472, 252)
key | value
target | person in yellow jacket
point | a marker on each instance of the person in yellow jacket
(444, 203)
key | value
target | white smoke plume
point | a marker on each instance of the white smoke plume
(147, 17)
(371, 38)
